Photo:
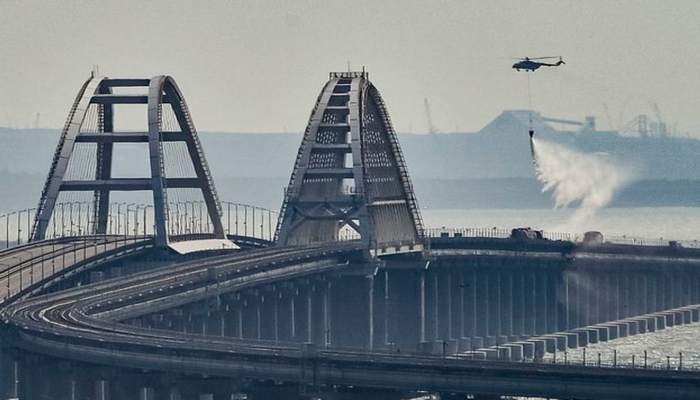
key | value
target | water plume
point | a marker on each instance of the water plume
(574, 178)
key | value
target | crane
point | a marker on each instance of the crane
(661, 125)
(431, 128)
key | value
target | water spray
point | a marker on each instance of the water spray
(572, 177)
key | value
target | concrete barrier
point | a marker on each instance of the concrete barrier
(651, 323)
(571, 339)
(660, 321)
(516, 351)
(424, 348)
(641, 325)
(670, 319)
(528, 349)
(696, 314)
(491, 353)
(501, 339)
(603, 333)
(550, 343)
(539, 345)
(503, 352)
(613, 331)
(465, 344)
(582, 337)
(678, 318)
(622, 329)
(477, 342)
(452, 346)
(593, 335)
(562, 341)
(489, 341)
(632, 327)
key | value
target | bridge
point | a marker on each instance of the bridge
(184, 298)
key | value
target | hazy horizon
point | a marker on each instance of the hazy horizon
(258, 66)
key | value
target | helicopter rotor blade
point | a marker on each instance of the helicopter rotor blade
(544, 58)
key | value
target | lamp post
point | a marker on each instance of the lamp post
(119, 220)
(188, 225)
(245, 220)
(70, 217)
(236, 218)
(253, 221)
(228, 218)
(19, 228)
(7, 230)
(201, 218)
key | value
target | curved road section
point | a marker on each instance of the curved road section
(28, 269)
(81, 324)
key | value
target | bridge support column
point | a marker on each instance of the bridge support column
(351, 327)
(301, 313)
(432, 307)
(266, 306)
(248, 317)
(405, 308)
(530, 303)
(507, 307)
(456, 312)
(147, 393)
(327, 314)
(482, 305)
(565, 305)
(285, 315)
(552, 283)
(582, 301)
(668, 290)
(422, 310)
(469, 288)
(227, 319)
(518, 302)
(624, 284)
(9, 366)
(678, 293)
(540, 303)
(380, 301)
(493, 315)
(444, 304)
(101, 389)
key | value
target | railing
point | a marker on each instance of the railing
(131, 219)
(570, 237)
(612, 360)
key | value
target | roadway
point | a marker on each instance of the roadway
(32, 265)
(83, 324)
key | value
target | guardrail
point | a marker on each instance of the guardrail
(131, 219)
(569, 237)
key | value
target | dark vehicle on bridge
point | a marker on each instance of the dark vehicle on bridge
(526, 233)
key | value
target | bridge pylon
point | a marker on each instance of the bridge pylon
(90, 127)
(350, 174)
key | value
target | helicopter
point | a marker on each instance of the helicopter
(528, 64)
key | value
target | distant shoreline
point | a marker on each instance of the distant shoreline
(21, 191)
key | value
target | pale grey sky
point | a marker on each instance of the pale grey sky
(257, 66)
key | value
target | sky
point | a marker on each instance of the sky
(258, 66)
